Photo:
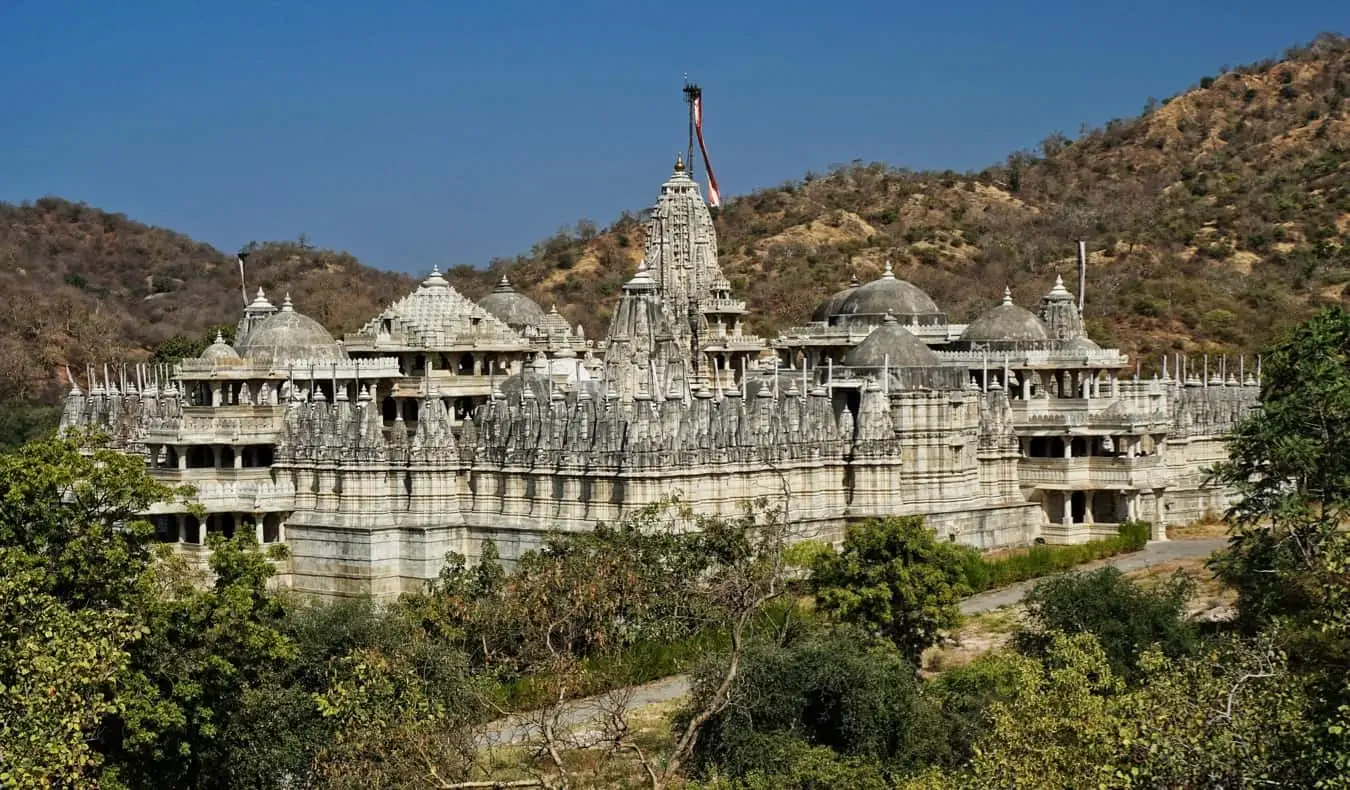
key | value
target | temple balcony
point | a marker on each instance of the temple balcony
(229, 490)
(1078, 474)
(1102, 359)
(217, 425)
(1119, 415)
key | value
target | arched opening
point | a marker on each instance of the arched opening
(1080, 447)
(200, 457)
(388, 411)
(192, 529)
(271, 528)
(465, 366)
(1078, 506)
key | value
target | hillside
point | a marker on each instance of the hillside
(1213, 219)
(84, 286)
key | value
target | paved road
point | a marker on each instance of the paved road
(514, 729)
(1156, 553)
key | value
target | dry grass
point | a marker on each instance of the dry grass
(599, 766)
(979, 634)
(1198, 530)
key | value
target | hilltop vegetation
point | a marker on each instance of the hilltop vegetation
(1213, 220)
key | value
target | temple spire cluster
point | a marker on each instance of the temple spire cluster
(445, 421)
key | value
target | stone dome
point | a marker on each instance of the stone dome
(891, 345)
(290, 336)
(1007, 323)
(830, 307)
(515, 309)
(887, 295)
(219, 350)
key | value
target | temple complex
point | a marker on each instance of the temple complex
(445, 422)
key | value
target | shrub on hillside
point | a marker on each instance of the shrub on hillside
(836, 689)
(1124, 616)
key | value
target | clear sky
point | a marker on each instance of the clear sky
(413, 133)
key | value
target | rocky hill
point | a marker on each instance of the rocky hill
(1213, 219)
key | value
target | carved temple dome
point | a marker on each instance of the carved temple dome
(887, 295)
(891, 345)
(514, 308)
(290, 336)
(219, 350)
(1006, 324)
(830, 307)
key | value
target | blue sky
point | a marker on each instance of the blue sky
(416, 133)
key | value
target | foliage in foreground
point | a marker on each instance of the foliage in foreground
(1125, 617)
(893, 578)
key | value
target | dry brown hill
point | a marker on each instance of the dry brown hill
(82, 285)
(1213, 219)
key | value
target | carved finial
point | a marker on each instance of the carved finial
(504, 285)
(853, 280)
(220, 338)
(888, 273)
(1007, 295)
(286, 306)
(679, 163)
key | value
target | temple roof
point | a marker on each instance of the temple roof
(891, 345)
(220, 349)
(290, 336)
(888, 294)
(435, 315)
(1007, 323)
(513, 307)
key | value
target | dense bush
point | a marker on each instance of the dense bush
(833, 688)
(1125, 616)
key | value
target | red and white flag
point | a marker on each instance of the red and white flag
(714, 197)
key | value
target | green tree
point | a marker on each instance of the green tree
(1289, 552)
(894, 579)
(56, 667)
(1125, 617)
(1232, 716)
(834, 688)
(161, 662)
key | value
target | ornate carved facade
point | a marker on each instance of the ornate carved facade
(443, 422)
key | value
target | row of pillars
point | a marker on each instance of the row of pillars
(187, 528)
(236, 456)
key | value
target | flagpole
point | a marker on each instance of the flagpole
(243, 287)
(691, 93)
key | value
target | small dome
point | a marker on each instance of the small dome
(888, 295)
(1007, 323)
(515, 309)
(434, 280)
(289, 336)
(891, 345)
(220, 350)
(830, 307)
(1058, 293)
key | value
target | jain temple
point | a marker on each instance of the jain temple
(443, 422)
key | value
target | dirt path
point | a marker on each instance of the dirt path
(515, 729)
